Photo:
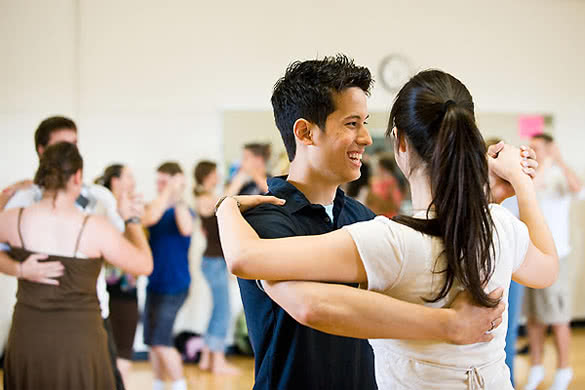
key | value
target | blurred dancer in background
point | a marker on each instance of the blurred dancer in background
(170, 223)
(93, 199)
(214, 270)
(556, 184)
(58, 340)
(119, 179)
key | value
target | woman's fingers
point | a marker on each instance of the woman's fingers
(486, 338)
(498, 322)
(530, 163)
(273, 200)
(250, 201)
(530, 172)
(528, 152)
(495, 149)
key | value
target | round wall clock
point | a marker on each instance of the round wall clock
(395, 71)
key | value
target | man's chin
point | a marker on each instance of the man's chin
(352, 177)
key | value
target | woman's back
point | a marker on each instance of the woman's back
(405, 264)
(57, 339)
(76, 289)
(55, 231)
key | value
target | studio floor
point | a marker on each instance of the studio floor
(141, 377)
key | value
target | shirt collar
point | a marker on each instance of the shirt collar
(296, 200)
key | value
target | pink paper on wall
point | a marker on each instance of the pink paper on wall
(530, 125)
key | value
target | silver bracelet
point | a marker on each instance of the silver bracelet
(220, 201)
(130, 220)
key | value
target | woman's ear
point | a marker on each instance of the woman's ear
(114, 182)
(78, 177)
(402, 144)
(303, 131)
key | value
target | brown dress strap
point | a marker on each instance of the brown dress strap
(19, 229)
(79, 236)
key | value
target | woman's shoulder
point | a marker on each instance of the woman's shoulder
(502, 216)
(98, 224)
(9, 214)
(508, 228)
(403, 229)
(390, 231)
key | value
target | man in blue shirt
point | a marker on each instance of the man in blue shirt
(320, 109)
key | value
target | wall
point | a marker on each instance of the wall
(148, 81)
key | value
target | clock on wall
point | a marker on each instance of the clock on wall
(395, 71)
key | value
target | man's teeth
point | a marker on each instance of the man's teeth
(355, 156)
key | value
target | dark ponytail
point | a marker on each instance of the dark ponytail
(202, 170)
(57, 164)
(111, 172)
(435, 112)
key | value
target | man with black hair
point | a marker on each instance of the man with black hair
(94, 199)
(320, 109)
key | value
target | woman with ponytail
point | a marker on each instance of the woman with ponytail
(215, 272)
(121, 286)
(455, 241)
(57, 339)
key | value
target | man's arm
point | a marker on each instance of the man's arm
(348, 311)
(7, 193)
(8, 265)
(5, 197)
(31, 269)
(573, 182)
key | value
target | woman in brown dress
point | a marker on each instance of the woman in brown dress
(57, 339)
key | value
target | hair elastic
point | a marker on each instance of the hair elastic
(448, 104)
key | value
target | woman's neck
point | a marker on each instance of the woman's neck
(59, 200)
(116, 195)
(420, 190)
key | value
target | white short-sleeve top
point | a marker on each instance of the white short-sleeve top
(399, 262)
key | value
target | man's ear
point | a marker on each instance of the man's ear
(303, 130)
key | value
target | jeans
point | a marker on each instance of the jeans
(215, 272)
(515, 296)
(160, 312)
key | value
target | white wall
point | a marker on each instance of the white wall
(147, 80)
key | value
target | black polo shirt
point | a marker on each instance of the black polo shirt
(288, 355)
